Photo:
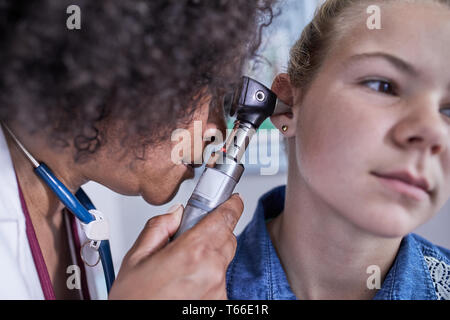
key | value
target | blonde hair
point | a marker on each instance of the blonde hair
(329, 22)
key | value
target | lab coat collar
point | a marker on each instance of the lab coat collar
(10, 208)
(18, 276)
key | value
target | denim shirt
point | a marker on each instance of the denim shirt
(421, 270)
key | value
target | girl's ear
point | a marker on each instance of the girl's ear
(285, 122)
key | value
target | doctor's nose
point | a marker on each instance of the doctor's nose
(423, 128)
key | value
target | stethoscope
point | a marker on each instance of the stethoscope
(93, 223)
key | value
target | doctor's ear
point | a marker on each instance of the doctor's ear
(285, 122)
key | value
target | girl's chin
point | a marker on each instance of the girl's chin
(389, 224)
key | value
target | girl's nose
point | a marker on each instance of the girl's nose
(423, 127)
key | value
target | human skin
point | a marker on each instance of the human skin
(365, 114)
(192, 267)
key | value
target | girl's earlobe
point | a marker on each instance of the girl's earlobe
(286, 125)
(285, 122)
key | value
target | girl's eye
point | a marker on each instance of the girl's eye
(446, 112)
(382, 86)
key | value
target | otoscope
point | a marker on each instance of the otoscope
(252, 103)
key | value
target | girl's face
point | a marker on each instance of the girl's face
(373, 131)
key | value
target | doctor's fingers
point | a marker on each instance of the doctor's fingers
(224, 219)
(215, 231)
(155, 235)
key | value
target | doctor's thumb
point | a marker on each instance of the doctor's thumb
(156, 234)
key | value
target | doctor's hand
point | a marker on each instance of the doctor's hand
(191, 267)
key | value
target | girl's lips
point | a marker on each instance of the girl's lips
(403, 187)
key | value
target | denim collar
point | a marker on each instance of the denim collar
(256, 271)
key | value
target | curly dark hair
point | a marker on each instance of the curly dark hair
(143, 61)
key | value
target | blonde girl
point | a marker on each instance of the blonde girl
(369, 160)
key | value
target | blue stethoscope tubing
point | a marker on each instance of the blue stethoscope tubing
(79, 204)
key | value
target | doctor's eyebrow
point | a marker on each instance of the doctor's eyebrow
(398, 63)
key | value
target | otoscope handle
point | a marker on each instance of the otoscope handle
(214, 188)
(191, 216)
(252, 103)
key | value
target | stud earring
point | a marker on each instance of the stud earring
(284, 128)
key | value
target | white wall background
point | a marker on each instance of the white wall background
(129, 214)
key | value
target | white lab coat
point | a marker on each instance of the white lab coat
(18, 275)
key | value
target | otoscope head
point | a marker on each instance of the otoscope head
(252, 102)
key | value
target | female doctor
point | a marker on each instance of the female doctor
(98, 102)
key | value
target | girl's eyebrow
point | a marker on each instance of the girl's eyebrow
(393, 60)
